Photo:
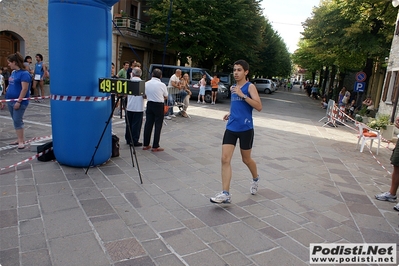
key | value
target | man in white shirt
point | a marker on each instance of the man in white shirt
(156, 93)
(173, 89)
(134, 114)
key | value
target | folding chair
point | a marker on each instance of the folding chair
(367, 133)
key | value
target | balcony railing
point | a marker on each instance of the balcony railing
(129, 23)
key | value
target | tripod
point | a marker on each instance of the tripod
(122, 101)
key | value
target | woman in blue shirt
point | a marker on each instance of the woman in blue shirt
(18, 88)
(244, 98)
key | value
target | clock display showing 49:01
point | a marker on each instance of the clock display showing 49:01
(114, 86)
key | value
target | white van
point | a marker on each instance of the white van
(195, 74)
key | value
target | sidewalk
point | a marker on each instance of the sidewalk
(315, 187)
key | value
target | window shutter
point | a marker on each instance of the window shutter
(395, 87)
(386, 86)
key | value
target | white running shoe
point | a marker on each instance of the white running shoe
(386, 196)
(221, 197)
(173, 115)
(168, 117)
(254, 187)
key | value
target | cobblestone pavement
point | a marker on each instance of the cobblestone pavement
(315, 187)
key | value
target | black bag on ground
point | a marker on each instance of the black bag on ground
(115, 146)
(49, 153)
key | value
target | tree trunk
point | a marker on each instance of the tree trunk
(325, 79)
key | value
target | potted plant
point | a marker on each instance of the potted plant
(382, 123)
(362, 112)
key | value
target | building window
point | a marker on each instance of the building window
(397, 28)
(391, 87)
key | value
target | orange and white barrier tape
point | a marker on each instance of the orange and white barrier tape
(26, 160)
(79, 98)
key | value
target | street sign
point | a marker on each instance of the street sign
(359, 86)
(360, 76)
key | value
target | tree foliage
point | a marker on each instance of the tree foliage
(216, 32)
(347, 34)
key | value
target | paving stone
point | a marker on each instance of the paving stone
(159, 218)
(376, 236)
(213, 215)
(143, 232)
(272, 232)
(32, 226)
(9, 238)
(377, 223)
(49, 176)
(53, 189)
(139, 200)
(320, 219)
(222, 247)
(10, 257)
(96, 207)
(8, 203)
(179, 238)
(84, 247)
(26, 188)
(168, 260)
(281, 223)
(305, 237)
(8, 218)
(156, 248)
(237, 259)
(207, 235)
(110, 227)
(124, 249)
(277, 256)
(347, 233)
(58, 202)
(37, 257)
(204, 257)
(65, 222)
(142, 261)
(6, 191)
(129, 215)
(32, 242)
(27, 199)
(244, 238)
(294, 248)
(322, 232)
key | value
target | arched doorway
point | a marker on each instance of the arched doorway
(9, 43)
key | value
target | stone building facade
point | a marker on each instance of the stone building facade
(23, 28)
(390, 94)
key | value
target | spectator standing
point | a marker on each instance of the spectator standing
(391, 194)
(134, 114)
(201, 94)
(184, 85)
(2, 87)
(123, 72)
(173, 89)
(130, 69)
(244, 99)
(214, 84)
(39, 74)
(18, 88)
(6, 75)
(30, 68)
(156, 93)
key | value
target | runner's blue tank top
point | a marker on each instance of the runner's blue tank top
(240, 118)
(39, 69)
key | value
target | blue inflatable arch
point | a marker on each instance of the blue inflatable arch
(80, 47)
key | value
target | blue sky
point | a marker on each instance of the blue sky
(286, 17)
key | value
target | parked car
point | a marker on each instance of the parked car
(227, 79)
(264, 85)
(195, 74)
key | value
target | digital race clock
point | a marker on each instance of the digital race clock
(122, 86)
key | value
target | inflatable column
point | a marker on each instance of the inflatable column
(80, 47)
